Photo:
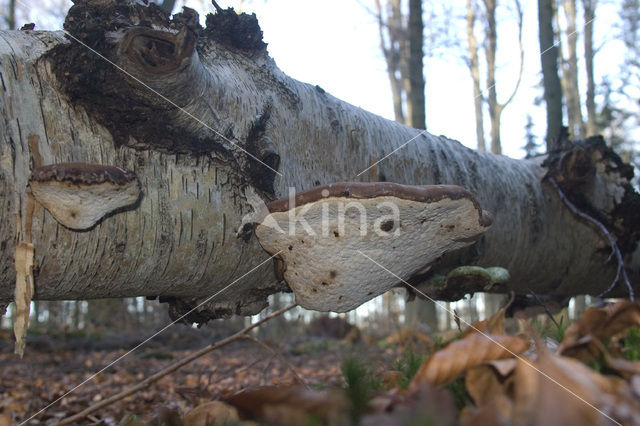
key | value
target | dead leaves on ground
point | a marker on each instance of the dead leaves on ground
(546, 387)
(506, 380)
(293, 405)
(485, 376)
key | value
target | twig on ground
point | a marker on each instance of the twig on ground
(612, 242)
(456, 318)
(277, 355)
(546, 309)
(250, 365)
(173, 367)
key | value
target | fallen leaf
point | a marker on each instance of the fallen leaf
(214, 413)
(625, 368)
(603, 323)
(292, 405)
(504, 367)
(5, 419)
(484, 383)
(562, 390)
(460, 355)
(408, 336)
(492, 325)
(390, 379)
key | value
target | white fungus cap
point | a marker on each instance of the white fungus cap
(78, 195)
(330, 240)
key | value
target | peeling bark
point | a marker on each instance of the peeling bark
(63, 103)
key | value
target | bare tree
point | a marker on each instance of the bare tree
(402, 43)
(491, 42)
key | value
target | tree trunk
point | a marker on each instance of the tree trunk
(61, 102)
(391, 33)
(589, 7)
(550, 79)
(474, 69)
(415, 96)
(491, 36)
(11, 15)
(570, 73)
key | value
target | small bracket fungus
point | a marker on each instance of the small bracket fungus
(78, 195)
(464, 280)
(327, 236)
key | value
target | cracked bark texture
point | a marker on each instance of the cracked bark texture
(60, 102)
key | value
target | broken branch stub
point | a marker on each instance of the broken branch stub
(78, 195)
(328, 236)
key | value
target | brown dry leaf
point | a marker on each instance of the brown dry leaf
(504, 367)
(461, 355)
(600, 322)
(484, 383)
(390, 379)
(532, 392)
(491, 325)
(407, 336)
(213, 413)
(625, 368)
(24, 262)
(586, 349)
(570, 393)
(292, 405)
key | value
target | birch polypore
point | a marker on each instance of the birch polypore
(328, 238)
(78, 195)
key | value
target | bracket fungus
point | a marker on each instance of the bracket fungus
(328, 239)
(78, 195)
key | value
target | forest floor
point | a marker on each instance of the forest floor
(489, 372)
(61, 378)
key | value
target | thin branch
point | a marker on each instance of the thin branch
(546, 309)
(621, 272)
(277, 355)
(173, 367)
(377, 15)
(217, 6)
(381, 26)
(521, 46)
